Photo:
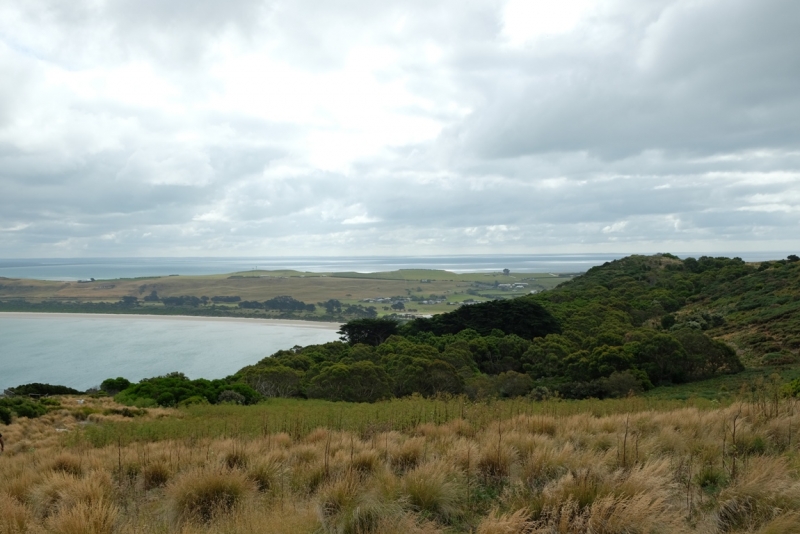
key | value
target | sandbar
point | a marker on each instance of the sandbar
(322, 325)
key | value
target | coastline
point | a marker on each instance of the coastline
(322, 325)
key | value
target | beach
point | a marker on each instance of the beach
(324, 325)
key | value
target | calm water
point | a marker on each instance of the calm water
(80, 351)
(111, 268)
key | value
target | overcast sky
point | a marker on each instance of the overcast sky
(316, 127)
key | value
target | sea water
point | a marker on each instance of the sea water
(113, 268)
(80, 351)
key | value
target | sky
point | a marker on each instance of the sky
(354, 127)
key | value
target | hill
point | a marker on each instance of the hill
(628, 325)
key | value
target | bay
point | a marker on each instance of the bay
(80, 351)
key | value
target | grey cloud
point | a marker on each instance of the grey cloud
(648, 124)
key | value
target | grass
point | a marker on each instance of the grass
(349, 288)
(412, 466)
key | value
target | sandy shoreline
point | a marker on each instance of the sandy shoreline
(274, 322)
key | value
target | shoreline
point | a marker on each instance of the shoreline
(321, 325)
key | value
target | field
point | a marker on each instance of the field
(312, 288)
(411, 465)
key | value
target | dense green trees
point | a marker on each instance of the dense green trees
(369, 331)
(623, 327)
(602, 334)
(522, 316)
(175, 388)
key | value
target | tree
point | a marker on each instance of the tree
(360, 382)
(368, 331)
(506, 272)
(398, 305)
(112, 386)
(274, 381)
(521, 316)
(128, 301)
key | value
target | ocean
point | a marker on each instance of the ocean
(111, 268)
(80, 351)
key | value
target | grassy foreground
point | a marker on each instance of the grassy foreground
(633, 465)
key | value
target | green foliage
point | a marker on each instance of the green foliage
(5, 415)
(521, 316)
(43, 389)
(620, 328)
(112, 386)
(358, 382)
(176, 388)
(21, 407)
(368, 331)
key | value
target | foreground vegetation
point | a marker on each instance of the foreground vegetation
(410, 466)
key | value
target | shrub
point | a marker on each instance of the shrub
(5, 415)
(230, 397)
(112, 386)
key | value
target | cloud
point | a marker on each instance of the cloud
(309, 127)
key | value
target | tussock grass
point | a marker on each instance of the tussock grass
(202, 496)
(443, 466)
(85, 518)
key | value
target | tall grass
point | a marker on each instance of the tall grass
(411, 466)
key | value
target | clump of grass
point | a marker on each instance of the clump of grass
(409, 454)
(46, 496)
(61, 491)
(15, 518)
(155, 475)
(435, 489)
(85, 518)
(760, 495)
(266, 474)
(365, 462)
(345, 507)
(711, 479)
(495, 462)
(236, 459)
(608, 515)
(67, 463)
(202, 496)
(509, 523)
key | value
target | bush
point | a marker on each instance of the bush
(5, 415)
(36, 388)
(112, 386)
(230, 397)
(22, 407)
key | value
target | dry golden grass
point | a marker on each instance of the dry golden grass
(732, 470)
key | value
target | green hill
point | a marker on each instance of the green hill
(627, 326)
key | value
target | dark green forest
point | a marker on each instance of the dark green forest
(623, 327)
